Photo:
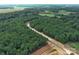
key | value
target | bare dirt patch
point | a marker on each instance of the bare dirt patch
(49, 49)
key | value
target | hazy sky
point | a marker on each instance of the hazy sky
(39, 1)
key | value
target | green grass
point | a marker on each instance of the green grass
(64, 12)
(49, 15)
(10, 10)
(75, 45)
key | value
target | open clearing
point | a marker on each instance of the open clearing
(10, 10)
(64, 12)
(49, 15)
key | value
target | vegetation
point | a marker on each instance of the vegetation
(74, 45)
(15, 37)
(64, 29)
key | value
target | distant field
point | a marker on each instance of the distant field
(64, 12)
(49, 15)
(9, 10)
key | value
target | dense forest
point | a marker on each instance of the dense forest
(63, 29)
(17, 38)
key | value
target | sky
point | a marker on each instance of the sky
(39, 1)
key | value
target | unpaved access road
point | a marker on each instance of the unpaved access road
(56, 43)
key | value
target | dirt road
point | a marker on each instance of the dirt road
(56, 43)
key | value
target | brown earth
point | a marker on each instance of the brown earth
(49, 49)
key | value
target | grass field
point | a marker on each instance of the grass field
(64, 12)
(49, 15)
(75, 45)
(10, 10)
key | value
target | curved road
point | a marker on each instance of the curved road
(53, 41)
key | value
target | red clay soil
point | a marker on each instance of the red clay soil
(42, 50)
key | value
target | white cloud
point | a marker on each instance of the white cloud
(39, 1)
